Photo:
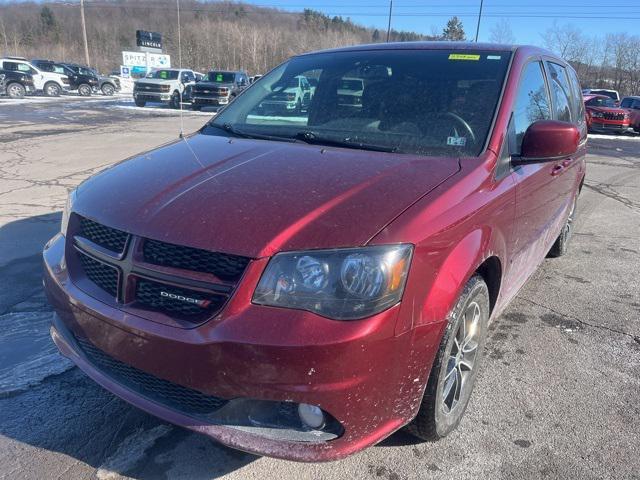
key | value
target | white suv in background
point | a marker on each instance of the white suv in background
(50, 83)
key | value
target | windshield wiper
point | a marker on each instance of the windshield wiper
(227, 127)
(313, 138)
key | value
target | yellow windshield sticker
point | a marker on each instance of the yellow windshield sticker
(463, 56)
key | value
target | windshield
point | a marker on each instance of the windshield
(220, 77)
(164, 74)
(426, 102)
(601, 102)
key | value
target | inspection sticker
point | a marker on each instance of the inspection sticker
(457, 141)
(463, 56)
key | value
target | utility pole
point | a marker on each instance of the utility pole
(479, 17)
(389, 25)
(84, 34)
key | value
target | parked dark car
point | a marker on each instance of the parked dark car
(304, 287)
(604, 115)
(218, 88)
(106, 85)
(632, 104)
(85, 83)
(16, 84)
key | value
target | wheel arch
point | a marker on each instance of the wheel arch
(491, 272)
(481, 252)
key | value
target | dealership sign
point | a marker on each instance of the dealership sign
(140, 59)
(150, 40)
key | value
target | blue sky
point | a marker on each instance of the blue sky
(528, 19)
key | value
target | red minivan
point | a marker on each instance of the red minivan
(301, 285)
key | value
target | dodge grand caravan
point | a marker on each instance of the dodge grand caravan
(302, 287)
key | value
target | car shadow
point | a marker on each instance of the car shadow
(48, 404)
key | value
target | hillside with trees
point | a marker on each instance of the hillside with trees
(225, 34)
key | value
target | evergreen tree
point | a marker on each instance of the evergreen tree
(454, 31)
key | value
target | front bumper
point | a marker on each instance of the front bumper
(362, 375)
(611, 126)
(152, 96)
(204, 100)
(274, 106)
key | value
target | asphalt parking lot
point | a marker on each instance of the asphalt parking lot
(558, 396)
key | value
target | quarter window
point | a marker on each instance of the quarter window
(561, 92)
(531, 105)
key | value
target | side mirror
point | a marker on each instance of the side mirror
(548, 140)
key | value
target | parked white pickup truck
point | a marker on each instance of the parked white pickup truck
(166, 85)
(50, 83)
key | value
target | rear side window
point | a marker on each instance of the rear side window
(532, 104)
(561, 92)
(577, 103)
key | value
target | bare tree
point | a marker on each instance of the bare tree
(501, 32)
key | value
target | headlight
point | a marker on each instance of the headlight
(343, 284)
(597, 114)
(66, 212)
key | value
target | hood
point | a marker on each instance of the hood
(256, 197)
(608, 109)
(202, 84)
(154, 81)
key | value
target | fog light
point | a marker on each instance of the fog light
(311, 415)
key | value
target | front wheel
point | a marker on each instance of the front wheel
(140, 102)
(52, 89)
(561, 244)
(456, 365)
(16, 90)
(107, 89)
(175, 100)
(84, 90)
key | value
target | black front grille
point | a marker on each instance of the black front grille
(107, 237)
(614, 116)
(161, 391)
(223, 266)
(101, 274)
(151, 88)
(181, 301)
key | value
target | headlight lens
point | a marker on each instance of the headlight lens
(67, 210)
(343, 284)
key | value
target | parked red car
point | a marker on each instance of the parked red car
(603, 115)
(302, 287)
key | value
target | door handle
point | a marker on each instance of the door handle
(557, 170)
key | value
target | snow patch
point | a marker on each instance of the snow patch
(27, 354)
(130, 451)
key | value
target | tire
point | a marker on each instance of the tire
(52, 89)
(84, 90)
(108, 89)
(440, 413)
(140, 102)
(175, 100)
(561, 245)
(195, 108)
(15, 90)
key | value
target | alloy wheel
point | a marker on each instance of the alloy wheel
(461, 358)
(15, 90)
